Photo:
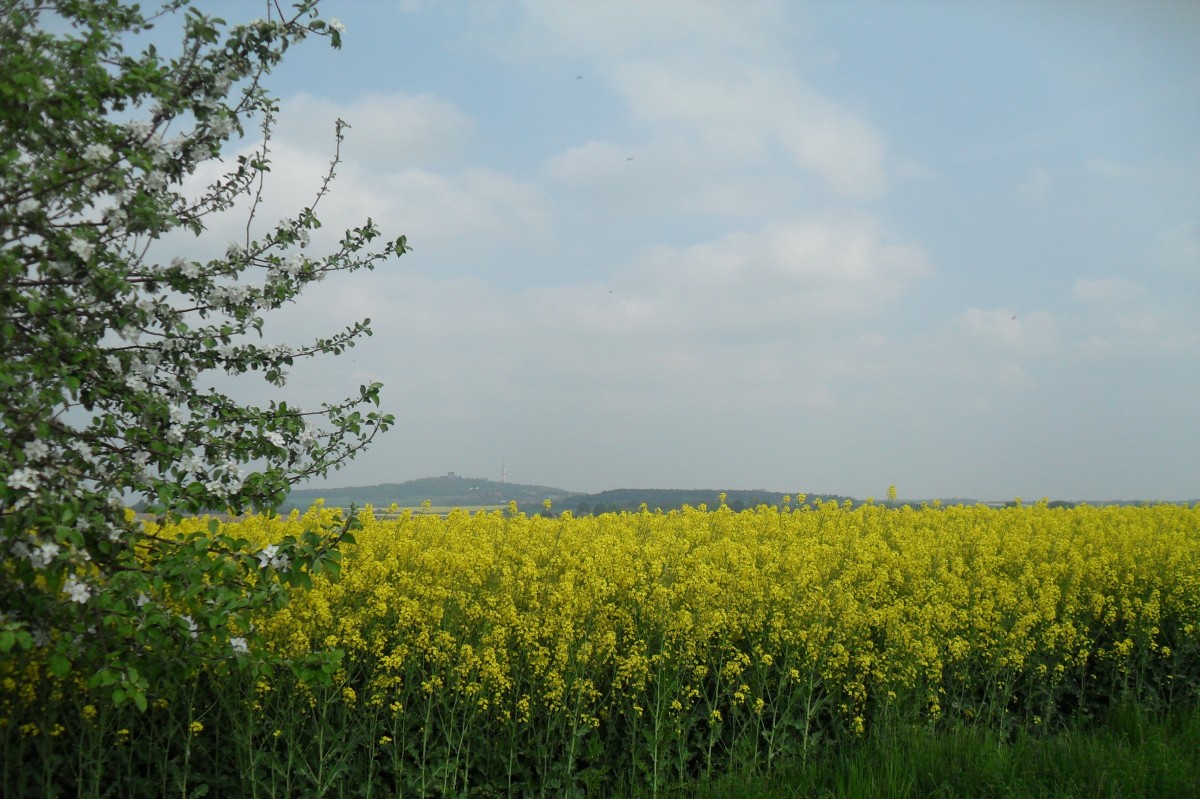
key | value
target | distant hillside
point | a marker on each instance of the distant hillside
(631, 499)
(455, 491)
(451, 490)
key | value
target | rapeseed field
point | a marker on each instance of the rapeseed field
(503, 654)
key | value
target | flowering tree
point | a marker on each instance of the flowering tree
(109, 350)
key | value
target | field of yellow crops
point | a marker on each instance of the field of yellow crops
(518, 649)
(708, 631)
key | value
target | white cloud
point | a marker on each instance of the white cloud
(1179, 251)
(716, 80)
(453, 213)
(796, 275)
(760, 305)
(1121, 318)
(1033, 333)
(386, 129)
(683, 30)
(1105, 290)
(740, 117)
(1110, 168)
(471, 210)
(1037, 185)
(590, 163)
(664, 177)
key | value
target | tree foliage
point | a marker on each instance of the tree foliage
(111, 350)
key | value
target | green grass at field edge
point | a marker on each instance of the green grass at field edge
(1133, 754)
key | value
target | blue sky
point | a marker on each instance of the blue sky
(823, 247)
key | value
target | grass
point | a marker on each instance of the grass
(1132, 754)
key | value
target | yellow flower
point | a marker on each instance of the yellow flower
(195, 727)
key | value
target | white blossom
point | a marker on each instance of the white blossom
(270, 556)
(190, 464)
(193, 628)
(77, 590)
(308, 436)
(239, 646)
(36, 450)
(28, 206)
(138, 129)
(162, 156)
(189, 269)
(293, 264)
(25, 478)
(97, 152)
(82, 247)
(336, 24)
(155, 181)
(43, 554)
(222, 126)
(234, 478)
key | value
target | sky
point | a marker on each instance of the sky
(802, 247)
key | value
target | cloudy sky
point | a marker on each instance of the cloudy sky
(816, 247)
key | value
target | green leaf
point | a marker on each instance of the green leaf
(60, 665)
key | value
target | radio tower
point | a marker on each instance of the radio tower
(502, 472)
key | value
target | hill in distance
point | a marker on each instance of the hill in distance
(451, 490)
(455, 491)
